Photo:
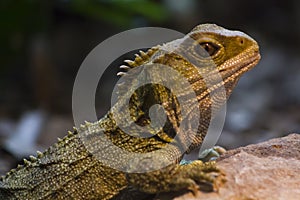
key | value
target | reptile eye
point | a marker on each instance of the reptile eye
(210, 48)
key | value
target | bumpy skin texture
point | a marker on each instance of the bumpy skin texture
(70, 169)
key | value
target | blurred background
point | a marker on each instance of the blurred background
(43, 44)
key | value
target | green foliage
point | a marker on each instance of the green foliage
(120, 12)
(20, 20)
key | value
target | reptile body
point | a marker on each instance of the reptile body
(71, 168)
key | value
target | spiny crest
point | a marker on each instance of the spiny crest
(140, 59)
(39, 155)
(32, 158)
(61, 141)
(75, 131)
(70, 133)
(82, 127)
(27, 163)
(12, 171)
(87, 123)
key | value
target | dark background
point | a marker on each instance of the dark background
(43, 44)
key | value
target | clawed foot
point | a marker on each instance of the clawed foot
(198, 175)
(190, 176)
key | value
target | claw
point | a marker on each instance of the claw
(129, 62)
(121, 73)
(124, 67)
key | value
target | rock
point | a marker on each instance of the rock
(268, 170)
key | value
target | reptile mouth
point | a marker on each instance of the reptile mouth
(252, 61)
(232, 71)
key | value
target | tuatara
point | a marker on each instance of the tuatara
(70, 169)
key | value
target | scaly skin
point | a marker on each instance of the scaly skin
(70, 169)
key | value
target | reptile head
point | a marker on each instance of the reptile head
(212, 59)
(231, 53)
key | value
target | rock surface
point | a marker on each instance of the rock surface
(268, 170)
